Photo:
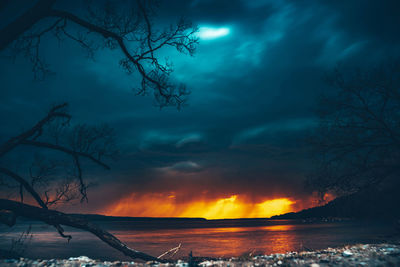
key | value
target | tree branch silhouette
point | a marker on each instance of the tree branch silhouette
(53, 217)
(117, 32)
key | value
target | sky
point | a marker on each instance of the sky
(240, 142)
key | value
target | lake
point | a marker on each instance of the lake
(277, 237)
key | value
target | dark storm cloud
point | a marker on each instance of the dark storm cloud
(253, 96)
(376, 20)
(223, 11)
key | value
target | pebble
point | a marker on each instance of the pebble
(347, 253)
(357, 255)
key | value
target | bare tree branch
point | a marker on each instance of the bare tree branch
(25, 184)
(53, 217)
(34, 194)
(179, 38)
(85, 144)
(118, 31)
(134, 34)
(172, 250)
(357, 144)
(64, 150)
(24, 22)
(56, 112)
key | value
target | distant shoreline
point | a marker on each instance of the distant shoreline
(142, 223)
(154, 223)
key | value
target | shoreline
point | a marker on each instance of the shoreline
(385, 254)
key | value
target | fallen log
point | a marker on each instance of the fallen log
(53, 217)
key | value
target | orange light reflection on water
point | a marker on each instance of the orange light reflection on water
(221, 242)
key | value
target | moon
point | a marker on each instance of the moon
(209, 33)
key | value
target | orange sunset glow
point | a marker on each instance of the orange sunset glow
(153, 205)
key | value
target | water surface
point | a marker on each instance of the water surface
(279, 237)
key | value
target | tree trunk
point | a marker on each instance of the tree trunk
(53, 217)
(12, 31)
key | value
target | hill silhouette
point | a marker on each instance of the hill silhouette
(371, 203)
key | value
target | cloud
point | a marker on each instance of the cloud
(189, 139)
(277, 128)
(183, 166)
(252, 101)
(155, 137)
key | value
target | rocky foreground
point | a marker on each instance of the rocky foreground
(357, 255)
